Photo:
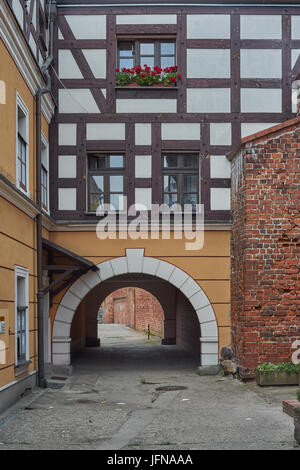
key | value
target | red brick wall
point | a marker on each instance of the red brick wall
(265, 250)
(133, 307)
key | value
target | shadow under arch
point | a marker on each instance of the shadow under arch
(136, 263)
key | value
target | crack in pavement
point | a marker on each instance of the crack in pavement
(138, 420)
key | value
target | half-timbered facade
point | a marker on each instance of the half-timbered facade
(152, 145)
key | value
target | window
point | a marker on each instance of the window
(21, 315)
(44, 174)
(22, 163)
(105, 180)
(181, 179)
(144, 51)
(22, 145)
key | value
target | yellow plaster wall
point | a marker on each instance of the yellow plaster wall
(17, 247)
(210, 266)
(15, 83)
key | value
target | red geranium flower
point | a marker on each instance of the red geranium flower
(117, 70)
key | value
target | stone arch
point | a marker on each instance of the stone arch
(135, 263)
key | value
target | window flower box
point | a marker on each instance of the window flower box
(284, 373)
(147, 77)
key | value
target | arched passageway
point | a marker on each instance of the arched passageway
(189, 321)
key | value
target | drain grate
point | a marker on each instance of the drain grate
(55, 385)
(170, 388)
(58, 377)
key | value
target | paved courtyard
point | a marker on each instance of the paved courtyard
(113, 400)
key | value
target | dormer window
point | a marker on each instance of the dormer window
(160, 53)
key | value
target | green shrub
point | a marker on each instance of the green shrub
(298, 395)
(283, 366)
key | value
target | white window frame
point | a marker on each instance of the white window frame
(21, 272)
(45, 144)
(20, 104)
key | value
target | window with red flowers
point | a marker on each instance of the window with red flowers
(150, 52)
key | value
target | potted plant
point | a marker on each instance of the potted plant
(147, 76)
(285, 373)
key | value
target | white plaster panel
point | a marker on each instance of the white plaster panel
(220, 199)
(104, 92)
(261, 63)
(164, 270)
(67, 166)
(208, 63)
(220, 166)
(220, 133)
(105, 270)
(64, 314)
(178, 277)
(190, 287)
(87, 26)
(80, 288)
(18, 11)
(260, 27)
(67, 199)
(209, 359)
(135, 260)
(249, 128)
(208, 100)
(70, 301)
(295, 27)
(143, 134)
(143, 198)
(147, 106)
(180, 131)
(67, 66)
(295, 54)
(143, 166)
(255, 100)
(67, 134)
(32, 45)
(96, 59)
(209, 328)
(105, 131)
(146, 19)
(206, 313)
(119, 265)
(208, 26)
(60, 36)
(76, 100)
(150, 265)
(34, 15)
(199, 300)
(294, 100)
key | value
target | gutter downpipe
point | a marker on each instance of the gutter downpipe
(42, 383)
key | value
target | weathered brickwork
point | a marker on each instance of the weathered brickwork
(266, 246)
(134, 307)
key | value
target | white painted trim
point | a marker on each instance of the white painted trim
(22, 272)
(15, 198)
(92, 227)
(20, 104)
(136, 262)
(21, 53)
